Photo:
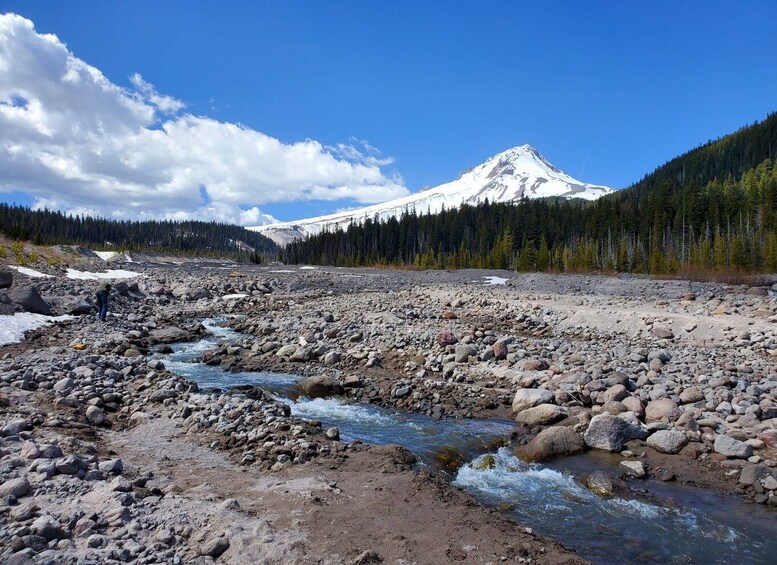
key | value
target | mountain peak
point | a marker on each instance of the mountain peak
(519, 172)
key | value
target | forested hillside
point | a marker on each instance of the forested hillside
(713, 209)
(44, 227)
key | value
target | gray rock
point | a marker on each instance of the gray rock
(634, 469)
(553, 442)
(64, 385)
(95, 415)
(320, 386)
(611, 432)
(17, 487)
(541, 415)
(691, 395)
(114, 466)
(751, 474)
(286, 351)
(6, 279)
(27, 297)
(463, 352)
(48, 527)
(733, 448)
(214, 547)
(666, 441)
(529, 397)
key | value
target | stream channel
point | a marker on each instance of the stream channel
(659, 522)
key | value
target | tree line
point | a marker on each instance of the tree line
(47, 227)
(713, 209)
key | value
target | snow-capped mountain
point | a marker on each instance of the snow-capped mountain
(507, 177)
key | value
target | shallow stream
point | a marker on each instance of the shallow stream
(658, 523)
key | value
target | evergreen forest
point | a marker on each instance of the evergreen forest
(711, 210)
(45, 227)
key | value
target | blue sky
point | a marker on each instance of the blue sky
(606, 91)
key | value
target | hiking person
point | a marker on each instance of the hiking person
(102, 300)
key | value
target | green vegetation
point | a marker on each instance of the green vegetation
(44, 227)
(712, 210)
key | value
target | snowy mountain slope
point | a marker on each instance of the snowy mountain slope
(506, 177)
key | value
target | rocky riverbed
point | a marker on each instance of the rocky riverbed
(107, 456)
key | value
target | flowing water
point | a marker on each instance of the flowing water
(659, 523)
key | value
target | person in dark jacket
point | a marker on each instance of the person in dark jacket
(102, 300)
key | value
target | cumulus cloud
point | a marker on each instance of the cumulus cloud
(77, 142)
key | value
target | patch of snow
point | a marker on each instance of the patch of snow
(30, 272)
(308, 268)
(232, 296)
(12, 328)
(282, 271)
(105, 255)
(110, 274)
(495, 280)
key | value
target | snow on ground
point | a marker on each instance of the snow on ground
(307, 268)
(232, 296)
(110, 274)
(30, 272)
(105, 255)
(282, 271)
(12, 328)
(495, 280)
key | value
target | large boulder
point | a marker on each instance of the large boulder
(609, 432)
(541, 415)
(530, 397)
(27, 297)
(320, 385)
(553, 442)
(668, 441)
(6, 279)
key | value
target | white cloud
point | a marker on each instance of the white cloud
(78, 142)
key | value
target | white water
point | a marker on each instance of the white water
(616, 529)
(675, 524)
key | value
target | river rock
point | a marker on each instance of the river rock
(662, 331)
(733, 448)
(660, 409)
(529, 397)
(320, 386)
(446, 338)
(500, 349)
(541, 415)
(634, 469)
(691, 395)
(751, 474)
(553, 442)
(616, 392)
(48, 527)
(599, 483)
(6, 279)
(27, 297)
(667, 441)
(286, 350)
(463, 352)
(95, 415)
(214, 547)
(611, 432)
(17, 487)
